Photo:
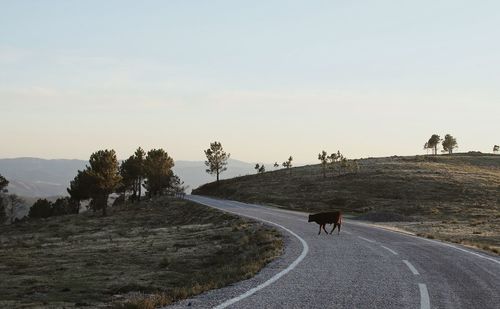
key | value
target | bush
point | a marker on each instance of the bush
(3, 203)
(65, 206)
(41, 209)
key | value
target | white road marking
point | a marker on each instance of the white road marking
(411, 267)
(425, 302)
(400, 233)
(430, 240)
(390, 250)
(461, 249)
(366, 239)
(305, 250)
(424, 294)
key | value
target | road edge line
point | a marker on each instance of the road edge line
(303, 254)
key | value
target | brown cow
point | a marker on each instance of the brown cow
(323, 218)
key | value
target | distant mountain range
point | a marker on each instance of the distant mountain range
(35, 177)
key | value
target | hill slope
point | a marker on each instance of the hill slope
(142, 255)
(34, 177)
(449, 190)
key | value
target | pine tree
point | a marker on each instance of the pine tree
(433, 142)
(3, 184)
(104, 174)
(323, 158)
(158, 172)
(79, 189)
(41, 209)
(132, 171)
(216, 159)
(449, 143)
(333, 160)
(288, 164)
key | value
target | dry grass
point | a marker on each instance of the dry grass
(446, 193)
(141, 256)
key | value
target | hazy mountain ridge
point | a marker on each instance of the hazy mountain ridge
(36, 177)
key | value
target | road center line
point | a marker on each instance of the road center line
(442, 243)
(425, 302)
(305, 250)
(390, 250)
(411, 267)
(366, 239)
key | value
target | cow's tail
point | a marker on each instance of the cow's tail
(340, 221)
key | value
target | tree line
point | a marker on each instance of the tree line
(217, 160)
(337, 162)
(105, 175)
(152, 171)
(449, 143)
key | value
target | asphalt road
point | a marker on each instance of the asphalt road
(363, 267)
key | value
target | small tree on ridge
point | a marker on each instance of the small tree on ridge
(288, 164)
(449, 143)
(323, 158)
(216, 159)
(433, 142)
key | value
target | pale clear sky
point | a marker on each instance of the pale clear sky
(266, 78)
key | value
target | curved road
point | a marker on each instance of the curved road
(363, 267)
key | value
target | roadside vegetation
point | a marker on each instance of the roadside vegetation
(111, 245)
(102, 177)
(454, 197)
(11, 205)
(142, 255)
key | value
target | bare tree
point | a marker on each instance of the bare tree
(16, 205)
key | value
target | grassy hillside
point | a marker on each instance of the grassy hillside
(453, 197)
(141, 256)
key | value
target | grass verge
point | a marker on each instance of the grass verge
(141, 256)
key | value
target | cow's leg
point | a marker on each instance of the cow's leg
(319, 229)
(339, 228)
(324, 229)
(334, 226)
